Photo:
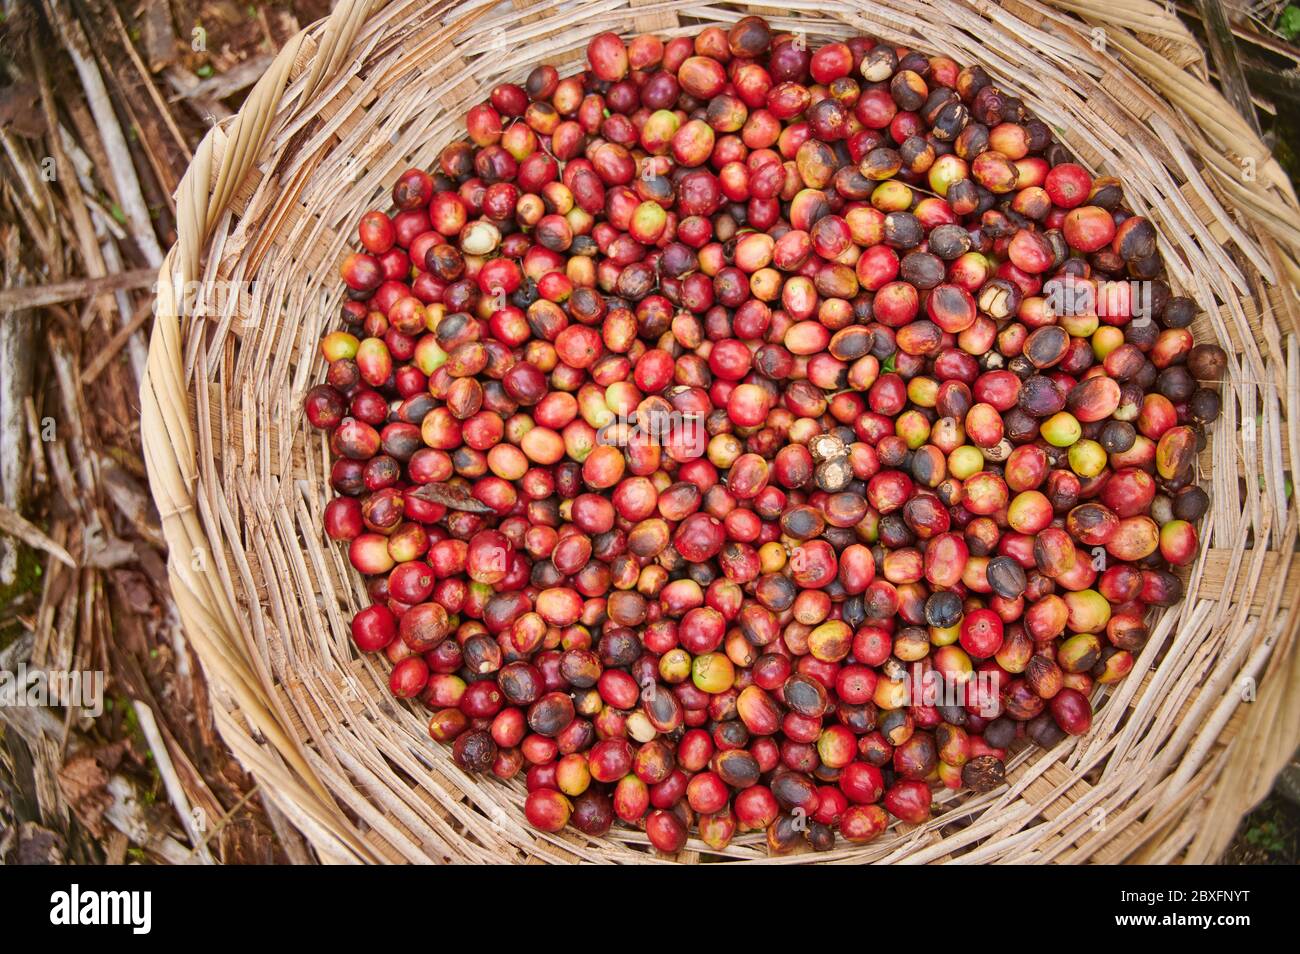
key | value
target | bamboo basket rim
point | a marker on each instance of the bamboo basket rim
(264, 215)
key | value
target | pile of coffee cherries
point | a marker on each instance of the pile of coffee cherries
(739, 436)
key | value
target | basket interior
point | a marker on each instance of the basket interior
(270, 290)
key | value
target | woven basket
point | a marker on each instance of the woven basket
(1179, 749)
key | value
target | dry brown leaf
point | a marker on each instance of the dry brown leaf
(83, 780)
(84, 785)
(135, 589)
(16, 113)
(450, 496)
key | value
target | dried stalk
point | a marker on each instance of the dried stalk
(38, 296)
(119, 158)
(171, 781)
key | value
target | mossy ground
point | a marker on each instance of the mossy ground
(26, 582)
(1270, 835)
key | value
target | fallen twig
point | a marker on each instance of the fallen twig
(38, 296)
(40, 475)
(225, 84)
(172, 781)
(210, 110)
(116, 343)
(119, 159)
(1223, 49)
(17, 332)
(72, 163)
(16, 525)
(146, 80)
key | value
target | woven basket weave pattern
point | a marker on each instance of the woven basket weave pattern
(267, 211)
